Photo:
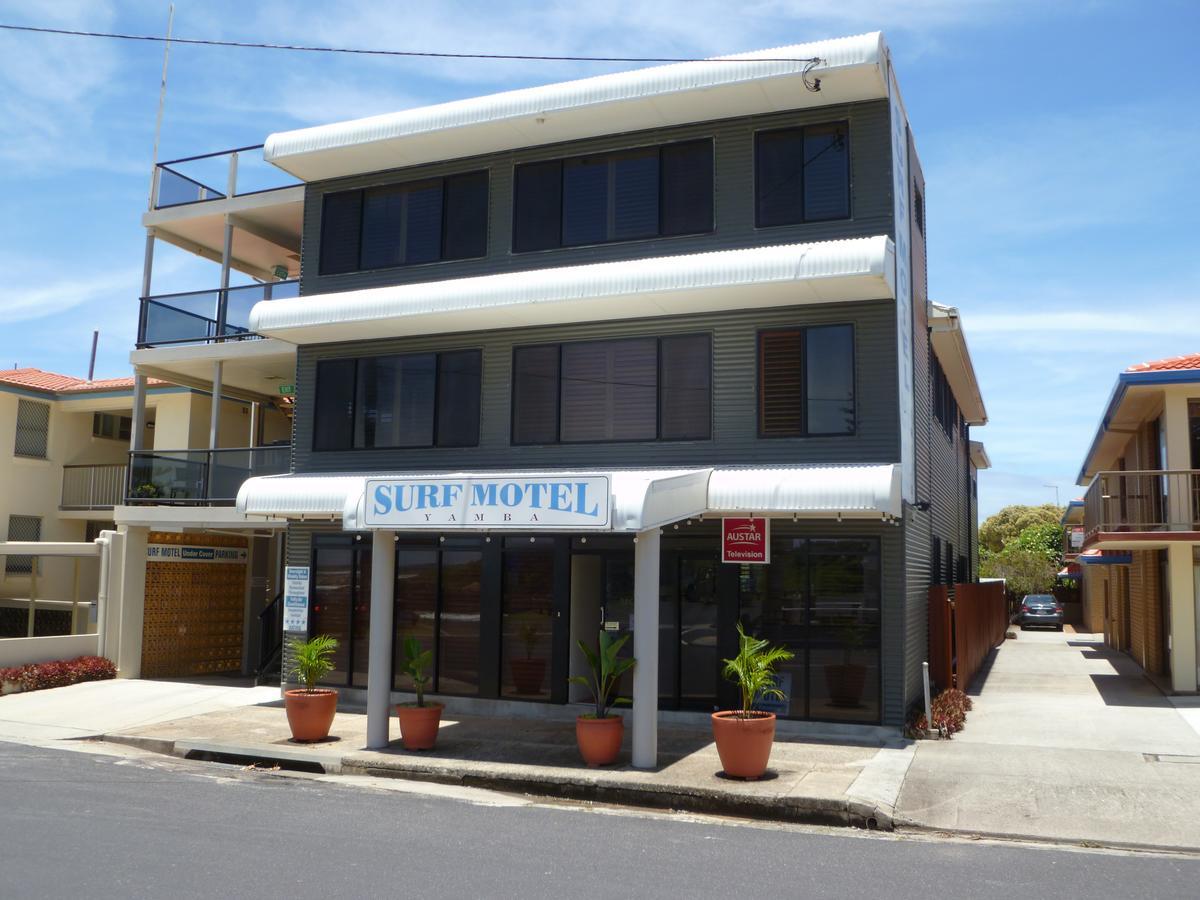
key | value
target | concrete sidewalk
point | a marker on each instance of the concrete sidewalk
(832, 783)
(1067, 741)
(97, 707)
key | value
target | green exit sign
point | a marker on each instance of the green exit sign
(287, 389)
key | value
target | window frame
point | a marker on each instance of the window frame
(437, 356)
(609, 153)
(443, 182)
(804, 220)
(19, 429)
(658, 390)
(803, 330)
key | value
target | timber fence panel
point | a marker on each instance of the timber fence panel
(941, 637)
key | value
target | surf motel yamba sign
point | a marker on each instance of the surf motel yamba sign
(526, 502)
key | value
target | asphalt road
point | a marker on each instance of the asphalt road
(74, 824)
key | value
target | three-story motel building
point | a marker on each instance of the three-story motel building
(561, 352)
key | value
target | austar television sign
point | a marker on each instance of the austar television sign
(528, 502)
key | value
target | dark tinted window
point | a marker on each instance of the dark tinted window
(458, 383)
(687, 188)
(340, 215)
(535, 395)
(390, 401)
(617, 390)
(829, 376)
(537, 207)
(619, 196)
(466, 216)
(686, 387)
(394, 401)
(806, 381)
(405, 224)
(333, 415)
(802, 175)
(609, 391)
(826, 173)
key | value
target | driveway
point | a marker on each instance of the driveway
(1067, 740)
(102, 707)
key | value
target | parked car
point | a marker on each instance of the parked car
(1040, 609)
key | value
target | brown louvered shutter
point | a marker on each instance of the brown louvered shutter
(781, 383)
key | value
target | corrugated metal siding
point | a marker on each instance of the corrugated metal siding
(871, 203)
(735, 426)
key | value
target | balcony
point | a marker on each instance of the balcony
(200, 477)
(179, 182)
(205, 317)
(1144, 501)
(93, 487)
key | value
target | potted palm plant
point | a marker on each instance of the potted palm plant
(599, 733)
(744, 736)
(310, 709)
(419, 721)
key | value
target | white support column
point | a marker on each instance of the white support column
(214, 424)
(645, 649)
(1182, 591)
(254, 414)
(132, 600)
(379, 663)
(137, 429)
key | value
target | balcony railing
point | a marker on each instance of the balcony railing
(206, 317)
(1143, 501)
(190, 179)
(93, 487)
(199, 477)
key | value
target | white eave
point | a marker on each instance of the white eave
(979, 457)
(640, 498)
(950, 346)
(764, 81)
(789, 275)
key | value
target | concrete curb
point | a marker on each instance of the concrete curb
(907, 825)
(588, 785)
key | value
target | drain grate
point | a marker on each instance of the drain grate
(1171, 758)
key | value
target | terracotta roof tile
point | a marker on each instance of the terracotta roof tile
(1173, 364)
(53, 383)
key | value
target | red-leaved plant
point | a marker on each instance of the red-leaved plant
(949, 710)
(59, 673)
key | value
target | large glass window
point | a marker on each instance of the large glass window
(341, 606)
(405, 224)
(802, 175)
(820, 598)
(621, 196)
(410, 400)
(806, 381)
(527, 620)
(618, 390)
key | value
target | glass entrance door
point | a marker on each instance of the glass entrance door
(696, 596)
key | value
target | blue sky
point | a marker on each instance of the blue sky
(1058, 142)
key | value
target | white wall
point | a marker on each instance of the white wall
(23, 651)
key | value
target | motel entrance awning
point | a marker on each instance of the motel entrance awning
(637, 502)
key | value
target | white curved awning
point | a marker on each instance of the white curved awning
(785, 275)
(639, 499)
(851, 69)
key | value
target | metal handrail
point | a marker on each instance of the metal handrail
(192, 477)
(104, 489)
(208, 328)
(1143, 500)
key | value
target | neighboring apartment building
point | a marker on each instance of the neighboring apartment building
(1141, 519)
(545, 343)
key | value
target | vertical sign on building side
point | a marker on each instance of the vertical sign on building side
(904, 293)
(295, 600)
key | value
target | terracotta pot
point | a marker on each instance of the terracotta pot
(310, 713)
(419, 724)
(528, 675)
(845, 684)
(599, 739)
(744, 745)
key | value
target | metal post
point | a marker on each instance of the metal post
(645, 649)
(379, 663)
(214, 427)
(33, 564)
(137, 428)
(253, 425)
(928, 705)
(75, 599)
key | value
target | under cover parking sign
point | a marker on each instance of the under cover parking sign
(295, 599)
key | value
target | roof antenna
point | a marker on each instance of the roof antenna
(92, 364)
(162, 98)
